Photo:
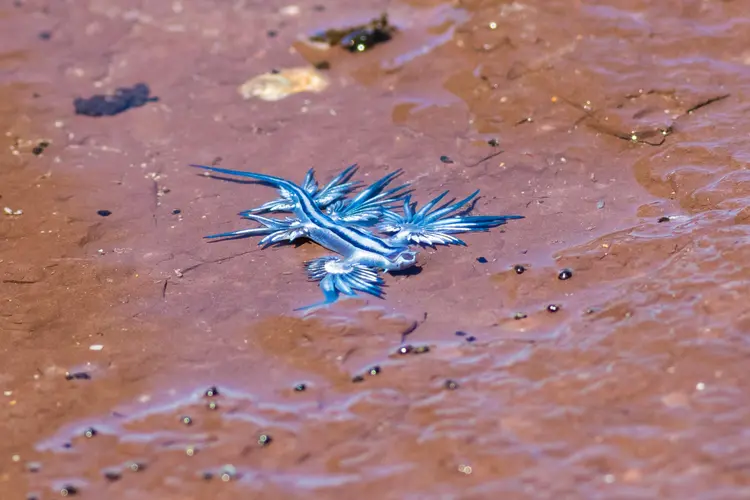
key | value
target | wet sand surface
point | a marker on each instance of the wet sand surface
(624, 137)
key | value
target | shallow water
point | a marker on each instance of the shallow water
(624, 139)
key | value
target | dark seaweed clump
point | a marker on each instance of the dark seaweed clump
(123, 99)
(358, 38)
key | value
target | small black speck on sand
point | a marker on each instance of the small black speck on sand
(481, 260)
(451, 385)
(104, 213)
(124, 98)
(446, 159)
(519, 269)
(565, 274)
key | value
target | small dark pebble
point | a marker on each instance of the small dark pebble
(565, 274)
(90, 432)
(104, 213)
(112, 475)
(519, 269)
(493, 142)
(45, 35)
(77, 376)
(421, 349)
(186, 420)
(176, 211)
(123, 99)
(663, 219)
(375, 370)
(520, 315)
(264, 440)
(67, 446)
(553, 308)
(405, 349)
(461, 334)
(451, 384)
(446, 159)
(272, 33)
(207, 475)
(323, 65)
(358, 378)
(39, 148)
(481, 260)
(275, 71)
(300, 387)
(319, 8)
(590, 310)
(68, 490)
(213, 405)
(212, 391)
(33, 496)
(471, 338)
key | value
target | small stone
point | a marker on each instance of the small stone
(272, 33)
(446, 159)
(211, 392)
(520, 315)
(136, 466)
(663, 219)
(421, 349)
(44, 35)
(264, 440)
(207, 475)
(375, 370)
(493, 142)
(358, 378)
(112, 475)
(176, 211)
(68, 490)
(460, 334)
(228, 472)
(323, 65)
(186, 420)
(104, 213)
(553, 308)
(565, 274)
(451, 385)
(481, 260)
(34, 466)
(300, 387)
(77, 376)
(471, 338)
(90, 432)
(519, 269)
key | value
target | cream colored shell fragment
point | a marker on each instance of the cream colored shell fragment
(276, 86)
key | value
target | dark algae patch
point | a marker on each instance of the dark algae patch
(358, 38)
(123, 99)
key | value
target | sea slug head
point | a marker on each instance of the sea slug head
(405, 260)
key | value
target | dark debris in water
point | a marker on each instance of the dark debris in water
(123, 99)
(519, 269)
(451, 385)
(300, 387)
(446, 159)
(553, 308)
(90, 432)
(520, 315)
(471, 338)
(112, 475)
(104, 213)
(663, 219)
(358, 378)
(212, 391)
(358, 38)
(482, 260)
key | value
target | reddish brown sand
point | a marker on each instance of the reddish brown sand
(612, 116)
